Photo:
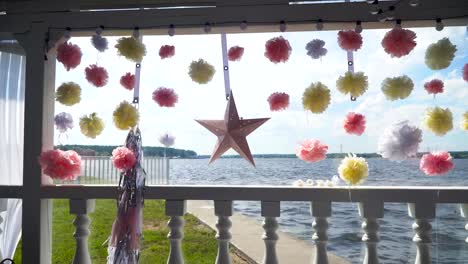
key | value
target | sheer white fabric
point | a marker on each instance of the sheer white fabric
(12, 73)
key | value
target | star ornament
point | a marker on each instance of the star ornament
(232, 132)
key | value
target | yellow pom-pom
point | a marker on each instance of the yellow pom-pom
(397, 88)
(131, 48)
(68, 93)
(201, 71)
(316, 97)
(91, 126)
(438, 120)
(465, 121)
(126, 116)
(439, 55)
(353, 170)
(354, 84)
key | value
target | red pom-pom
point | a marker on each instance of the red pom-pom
(59, 164)
(123, 158)
(166, 51)
(165, 97)
(278, 101)
(128, 81)
(436, 163)
(349, 40)
(399, 42)
(235, 53)
(434, 87)
(69, 55)
(354, 123)
(277, 49)
(465, 72)
(96, 75)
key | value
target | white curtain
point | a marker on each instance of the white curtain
(12, 73)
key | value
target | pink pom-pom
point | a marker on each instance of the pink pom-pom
(59, 164)
(278, 101)
(235, 53)
(349, 40)
(354, 123)
(399, 42)
(434, 87)
(166, 51)
(165, 97)
(465, 72)
(436, 163)
(128, 81)
(96, 75)
(277, 49)
(123, 158)
(69, 55)
(312, 150)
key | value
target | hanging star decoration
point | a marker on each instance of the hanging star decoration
(232, 132)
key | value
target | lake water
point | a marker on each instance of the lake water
(345, 224)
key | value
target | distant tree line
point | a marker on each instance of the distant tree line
(98, 150)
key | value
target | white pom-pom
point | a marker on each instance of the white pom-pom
(400, 141)
(167, 140)
(99, 42)
(315, 48)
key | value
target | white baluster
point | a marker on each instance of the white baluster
(371, 211)
(223, 209)
(320, 210)
(176, 210)
(422, 212)
(270, 210)
(464, 214)
(81, 208)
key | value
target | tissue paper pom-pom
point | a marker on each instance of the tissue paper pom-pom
(465, 72)
(68, 93)
(312, 150)
(91, 126)
(436, 163)
(165, 97)
(400, 141)
(439, 55)
(353, 83)
(167, 140)
(316, 98)
(99, 42)
(434, 87)
(354, 123)
(235, 53)
(131, 48)
(399, 42)
(123, 158)
(166, 51)
(277, 49)
(69, 55)
(96, 75)
(278, 101)
(397, 88)
(353, 170)
(464, 125)
(59, 164)
(349, 40)
(438, 120)
(315, 48)
(128, 81)
(126, 116)
(63, 121)
(201, 71)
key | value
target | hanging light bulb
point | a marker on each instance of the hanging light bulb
(171, 30)
(282, 26)
(371, 1)
(390, 14)
(439, 25)
(382, 17)
(374, 9)
(413, 3)
(319, 25)
(207, 27)
(358, 27)
(243, 25)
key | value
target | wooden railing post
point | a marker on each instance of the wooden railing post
(176, 210)
(270, 210)
(223, 209)
(371, 212)
(464, 214)
(321, 211)
(422, 212)
(81, 208)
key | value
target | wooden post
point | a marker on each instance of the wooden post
(270, 210)
(176, 210)
(321, 211)
(371, 212)
(81, 208)
(223, 209)
(422, 212)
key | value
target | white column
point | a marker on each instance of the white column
(176, 210)
(81, 208)
(321, 211)
(464, 214)
(422, 212)
(371, 211)
(223, 210)
(270, 210)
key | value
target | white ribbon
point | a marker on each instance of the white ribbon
(227, 83)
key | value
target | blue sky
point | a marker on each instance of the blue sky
(254, 78)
